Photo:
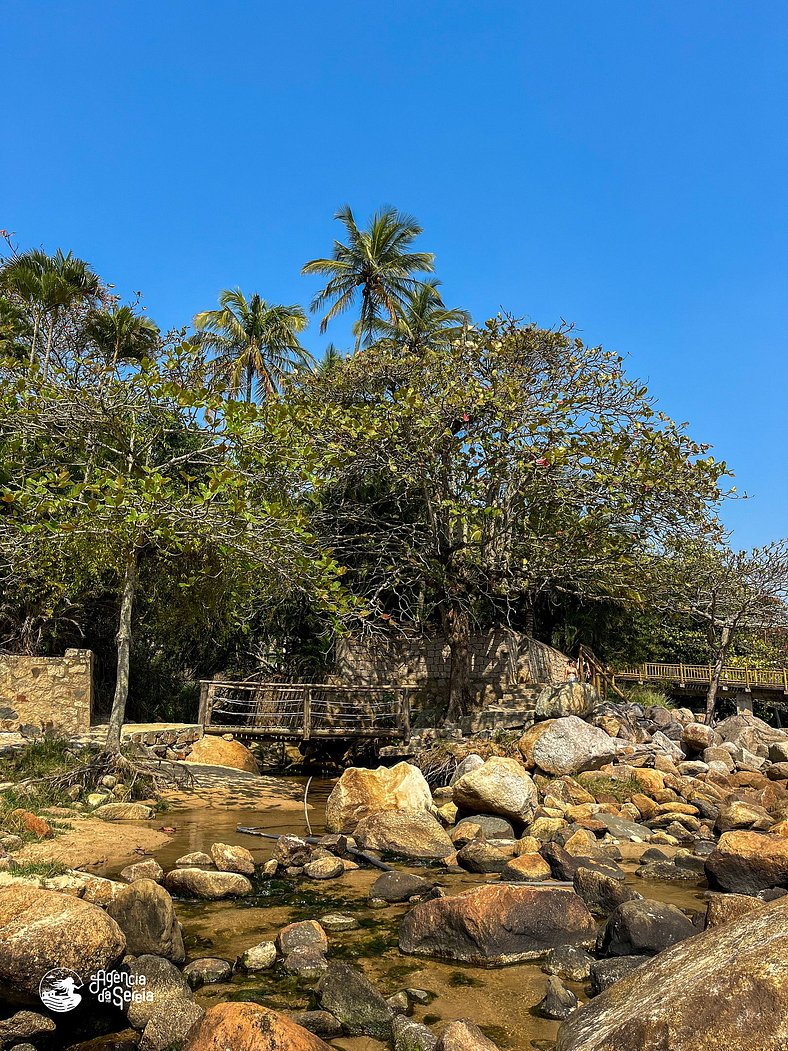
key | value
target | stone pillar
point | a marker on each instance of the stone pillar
(743, 703)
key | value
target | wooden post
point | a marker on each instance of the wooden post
(203, 712)
(307, 712)
(404, 715)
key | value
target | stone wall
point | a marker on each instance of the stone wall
(499, 660)
(47, 692)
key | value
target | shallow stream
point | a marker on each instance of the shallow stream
(500, 1000)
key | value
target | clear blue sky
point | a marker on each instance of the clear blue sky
(618, 164)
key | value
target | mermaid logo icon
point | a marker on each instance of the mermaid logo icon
(58, 989)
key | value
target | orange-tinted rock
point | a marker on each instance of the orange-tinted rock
(41, 930)
(526, 868)
(497, 924)
(360, 793)
(31, 823)
(746, 862)
(722, 908)
(215, 751)
(250, 1027)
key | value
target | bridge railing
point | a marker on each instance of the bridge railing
(304, 709)
(701, 674)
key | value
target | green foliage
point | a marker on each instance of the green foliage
(378, 263)
(620, 789)
(648, 697)
(39, 758)
(46, 869)
(256, 343)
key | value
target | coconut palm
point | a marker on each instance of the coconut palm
(255, 342)
(424, 321)
(46, 287)
(377, 263)
(121, 335)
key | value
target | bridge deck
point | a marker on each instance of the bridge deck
(698, 677)
(305, 710)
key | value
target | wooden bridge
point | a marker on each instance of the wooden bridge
(305, 710)
(697, 677)
(768, 684)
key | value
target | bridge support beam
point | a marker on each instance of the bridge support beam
(743, 703)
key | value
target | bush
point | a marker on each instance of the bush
(649, 697)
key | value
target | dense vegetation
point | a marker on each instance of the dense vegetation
(213, 500)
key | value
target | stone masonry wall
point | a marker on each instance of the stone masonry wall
(48, 692)
(498, 660)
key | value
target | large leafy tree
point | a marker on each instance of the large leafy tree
(727, 592)
(129, 474)
(468, 480)
(256, 343)
(376, 264)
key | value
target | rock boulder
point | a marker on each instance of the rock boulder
(408, 834)
(724, 988)
(570, 745)
(41, 930)
(360, 793)
(497, 924)
(253, 1028)
(501, 787)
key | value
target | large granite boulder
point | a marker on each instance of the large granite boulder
(570, 745)
(644, 927)
(146, 915)
(724, 988)
(360, 793)
(41, 930)
(215, 751)
(230, 858)
(350, 997)
(251, 1027)
(205, 883)
(570, 698)
(751, 734)
(408, 834)
(497, 924)
(747, 862)
(463, 1035)
(500, 786)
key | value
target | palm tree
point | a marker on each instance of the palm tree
(253, 340)
(122, 335)
(377, 262)
(47, 286)
(424, 321)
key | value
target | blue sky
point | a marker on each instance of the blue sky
(622, 165)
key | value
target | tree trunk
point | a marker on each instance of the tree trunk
(529, 617)
(48, 352)
(458, 634)
(124, 646)
(722, 653)
(34, 340)
(249, 382)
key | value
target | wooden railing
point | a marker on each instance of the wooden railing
(700, 675)
(304, 710)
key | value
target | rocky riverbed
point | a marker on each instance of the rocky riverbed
(616, 880)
